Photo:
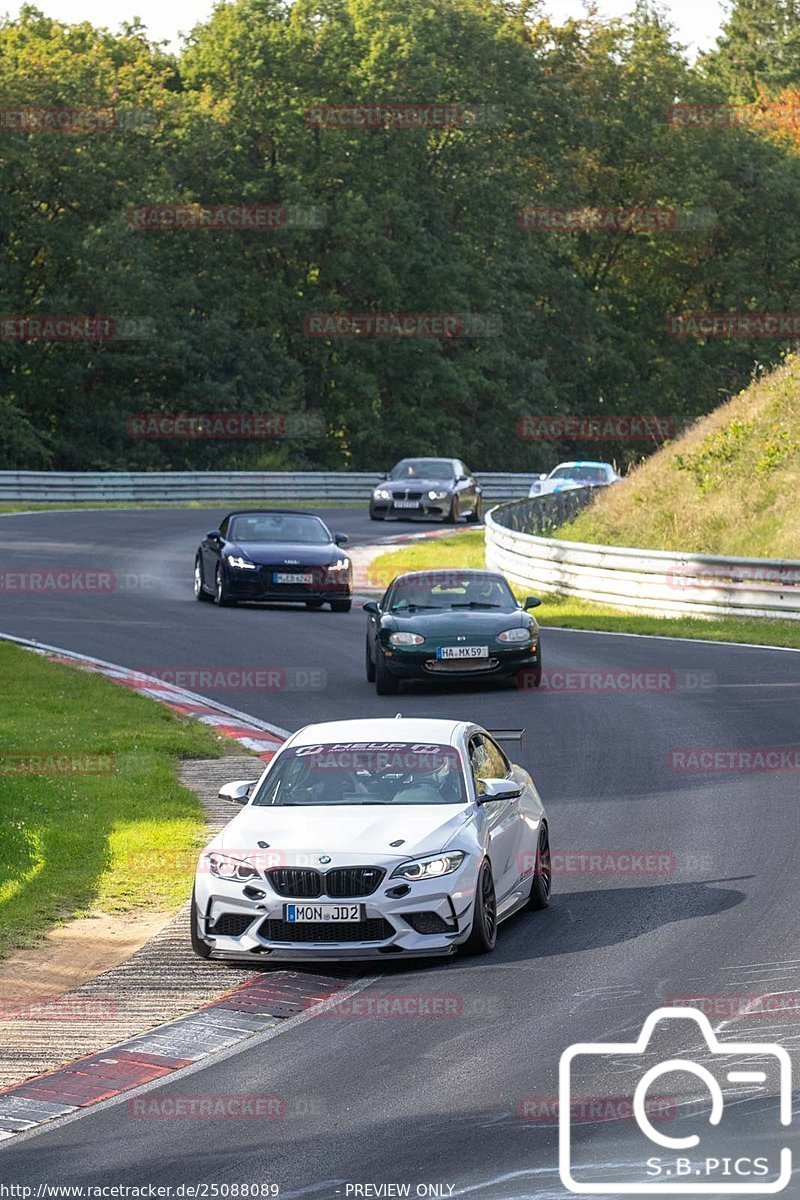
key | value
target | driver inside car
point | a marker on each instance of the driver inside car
(437, 787)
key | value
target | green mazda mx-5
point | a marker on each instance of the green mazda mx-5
(440, 624)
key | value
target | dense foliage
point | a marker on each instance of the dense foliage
(385, 219)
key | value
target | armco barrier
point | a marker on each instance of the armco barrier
(164, 486)
(650, 581)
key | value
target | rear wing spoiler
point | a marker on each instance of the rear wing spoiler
(507, 735)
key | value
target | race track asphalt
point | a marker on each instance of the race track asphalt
(442, 1100)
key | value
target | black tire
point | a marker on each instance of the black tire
(385, 684)
(221, 597)
(453, 515)
(370, 663)
(199, 945)
(542, 882)
(341, 605)
(314, 603)
(483, 935)
(200, 592)
(476, 516)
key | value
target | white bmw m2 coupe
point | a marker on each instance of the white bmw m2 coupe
(374, 837)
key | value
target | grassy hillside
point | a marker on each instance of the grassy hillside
(730, 485)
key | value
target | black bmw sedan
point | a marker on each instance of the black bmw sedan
(419, 488)
(270, 554)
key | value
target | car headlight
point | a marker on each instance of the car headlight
(535, 489)
(225, 867)
(514, 635)
(341, 564)
(382, 494)
(439, 494)
(243, 564)
(430, 868)
(406, 639)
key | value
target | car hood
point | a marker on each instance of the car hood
(417, 485)
(472, 623)
(348, 833)
(546, 486)
(281, 553)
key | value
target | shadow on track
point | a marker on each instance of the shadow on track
(588, 920)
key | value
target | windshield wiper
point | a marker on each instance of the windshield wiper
(416, 607)
(476, 604)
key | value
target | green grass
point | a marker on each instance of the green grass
(728, 486)
(73, 843)
(467, 550)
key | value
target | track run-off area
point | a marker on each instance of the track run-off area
(461, 1099)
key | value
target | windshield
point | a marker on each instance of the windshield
(423, 468)
(364, 773)
(278, 527)
(448, 589)
(590, 474)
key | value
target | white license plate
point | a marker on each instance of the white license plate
(297, 913)
(406, 503)
(462, 652)
(280, 577)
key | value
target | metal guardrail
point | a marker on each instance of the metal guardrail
(540, 514)
(649, 581)
(303, 486)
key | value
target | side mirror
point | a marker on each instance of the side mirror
(214, 535)
(341, 539)
(371, 606)
(237, 792)
(532, 602)
(463, 479)
(498, 789)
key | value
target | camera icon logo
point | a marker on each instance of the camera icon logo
(673, 1171)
